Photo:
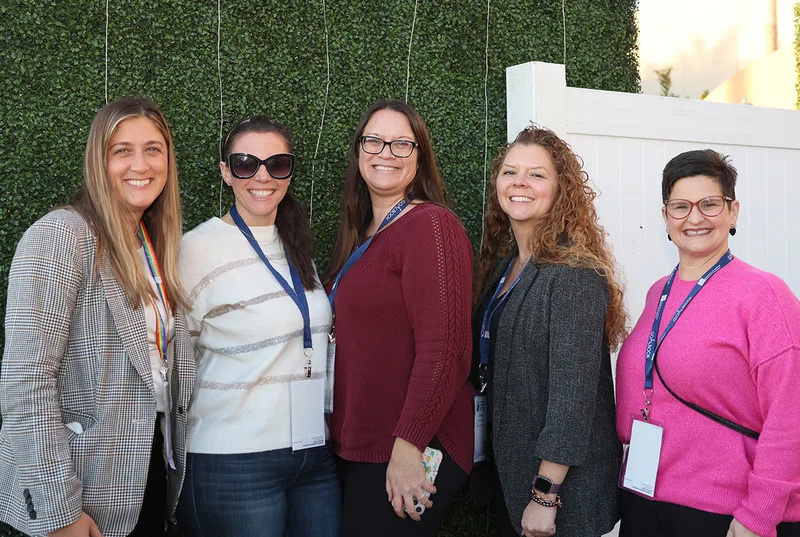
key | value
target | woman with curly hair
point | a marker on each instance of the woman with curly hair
(549, 311)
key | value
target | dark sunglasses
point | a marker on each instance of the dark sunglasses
(245, 165)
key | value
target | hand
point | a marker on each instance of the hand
(538, 520)
(83, 527)
(737, 530)
(405, 480)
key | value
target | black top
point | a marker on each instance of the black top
(479, 312)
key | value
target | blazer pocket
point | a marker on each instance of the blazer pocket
(76, 423)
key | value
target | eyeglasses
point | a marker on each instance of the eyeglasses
(245, 165)
(399, 148)
(710, 206)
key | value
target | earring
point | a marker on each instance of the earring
(732, 231)
(668, 237)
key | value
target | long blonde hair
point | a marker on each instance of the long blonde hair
(100, 203)
(568, 235)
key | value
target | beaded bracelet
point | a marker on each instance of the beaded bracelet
(544, 502)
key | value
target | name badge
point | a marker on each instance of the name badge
(481, 421)
(307, 409)
(640, 462)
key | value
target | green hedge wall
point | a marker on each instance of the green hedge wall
(797, 49)
(273, 61)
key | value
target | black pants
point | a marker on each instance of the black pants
(153, 515)
(366, 511)
(646, 518)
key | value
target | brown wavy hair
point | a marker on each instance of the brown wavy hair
(568, 235)
(427, 185)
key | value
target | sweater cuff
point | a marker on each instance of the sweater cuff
(764, 506)
(412, 433)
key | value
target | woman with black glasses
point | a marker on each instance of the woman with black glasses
(258, 463)
(707, 391)
(400, 280)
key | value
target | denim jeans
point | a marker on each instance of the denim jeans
(268, 494)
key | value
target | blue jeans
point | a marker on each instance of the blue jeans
(268, 494)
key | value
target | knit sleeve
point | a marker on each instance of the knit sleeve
(579, 300)
(435, 261)
(775, 473)
(193, 272)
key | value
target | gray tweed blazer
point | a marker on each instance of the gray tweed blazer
(75, 351)
(554, 397)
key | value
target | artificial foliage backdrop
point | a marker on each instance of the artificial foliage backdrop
(272, 60)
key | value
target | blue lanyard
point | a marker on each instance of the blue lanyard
(494, 303)
(654, 342)
(298, 294)
(355, 256)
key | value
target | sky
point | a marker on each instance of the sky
(705, 41)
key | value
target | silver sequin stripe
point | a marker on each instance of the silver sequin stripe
(242, 349)
(263, 381)
(219, 311)
(217, 272)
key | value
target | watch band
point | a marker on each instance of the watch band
(545, 485)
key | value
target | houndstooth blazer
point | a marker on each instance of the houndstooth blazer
(76, 353)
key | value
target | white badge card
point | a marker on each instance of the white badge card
(329, 365)
(640, 464)
(307, 400)
(481, 421)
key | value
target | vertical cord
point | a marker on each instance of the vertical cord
(410, 41)
(485, 122)
(564, 20)
(106, 76)
(219, 77)
(324, 109)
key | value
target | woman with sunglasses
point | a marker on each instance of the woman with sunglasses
(258, 463)
(709, 374)
(98, 366)
(400, 285)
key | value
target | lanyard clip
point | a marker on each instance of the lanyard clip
(647, 392)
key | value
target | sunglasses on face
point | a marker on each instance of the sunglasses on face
(245, 165)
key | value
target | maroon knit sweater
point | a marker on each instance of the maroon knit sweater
(403, 342)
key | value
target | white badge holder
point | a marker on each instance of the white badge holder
(329, 369)
(307, 410)
(640, 458)
(480, 403)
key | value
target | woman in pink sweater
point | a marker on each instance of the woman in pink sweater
(729, 462)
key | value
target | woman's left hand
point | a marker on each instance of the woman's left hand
(737, 530)
(538, 520)
(405, 479)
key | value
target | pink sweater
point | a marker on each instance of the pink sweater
(736, 351)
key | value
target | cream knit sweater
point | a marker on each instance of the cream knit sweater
(248, 336)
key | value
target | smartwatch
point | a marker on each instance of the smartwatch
(545, 485)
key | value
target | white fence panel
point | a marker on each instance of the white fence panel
(626, 139)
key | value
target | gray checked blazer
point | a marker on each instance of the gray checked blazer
(75, 351)
(553, 395)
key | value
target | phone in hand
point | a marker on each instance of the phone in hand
(431, 460)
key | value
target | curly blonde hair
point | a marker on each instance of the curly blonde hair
(568, 235)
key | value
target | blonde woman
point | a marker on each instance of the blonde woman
(98, 369)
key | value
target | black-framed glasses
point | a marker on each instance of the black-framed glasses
(399, 148)
(710, 206)
(245, 165)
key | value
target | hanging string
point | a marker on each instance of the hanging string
(564, 20)
(410, 41)
(106, 77)
(324, 109)
(219, 78)
(485, 121)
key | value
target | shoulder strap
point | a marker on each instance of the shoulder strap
(705, 412)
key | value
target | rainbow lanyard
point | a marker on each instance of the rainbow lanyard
(155, 270)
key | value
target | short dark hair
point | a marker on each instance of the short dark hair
(700, 162)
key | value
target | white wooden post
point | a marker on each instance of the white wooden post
(536, 91)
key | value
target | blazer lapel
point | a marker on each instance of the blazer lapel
(130, 323)
(505, 337)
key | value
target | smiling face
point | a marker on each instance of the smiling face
(527, 184)
(385, 174)
(258, 197)
(137, 163)
(699, 236)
